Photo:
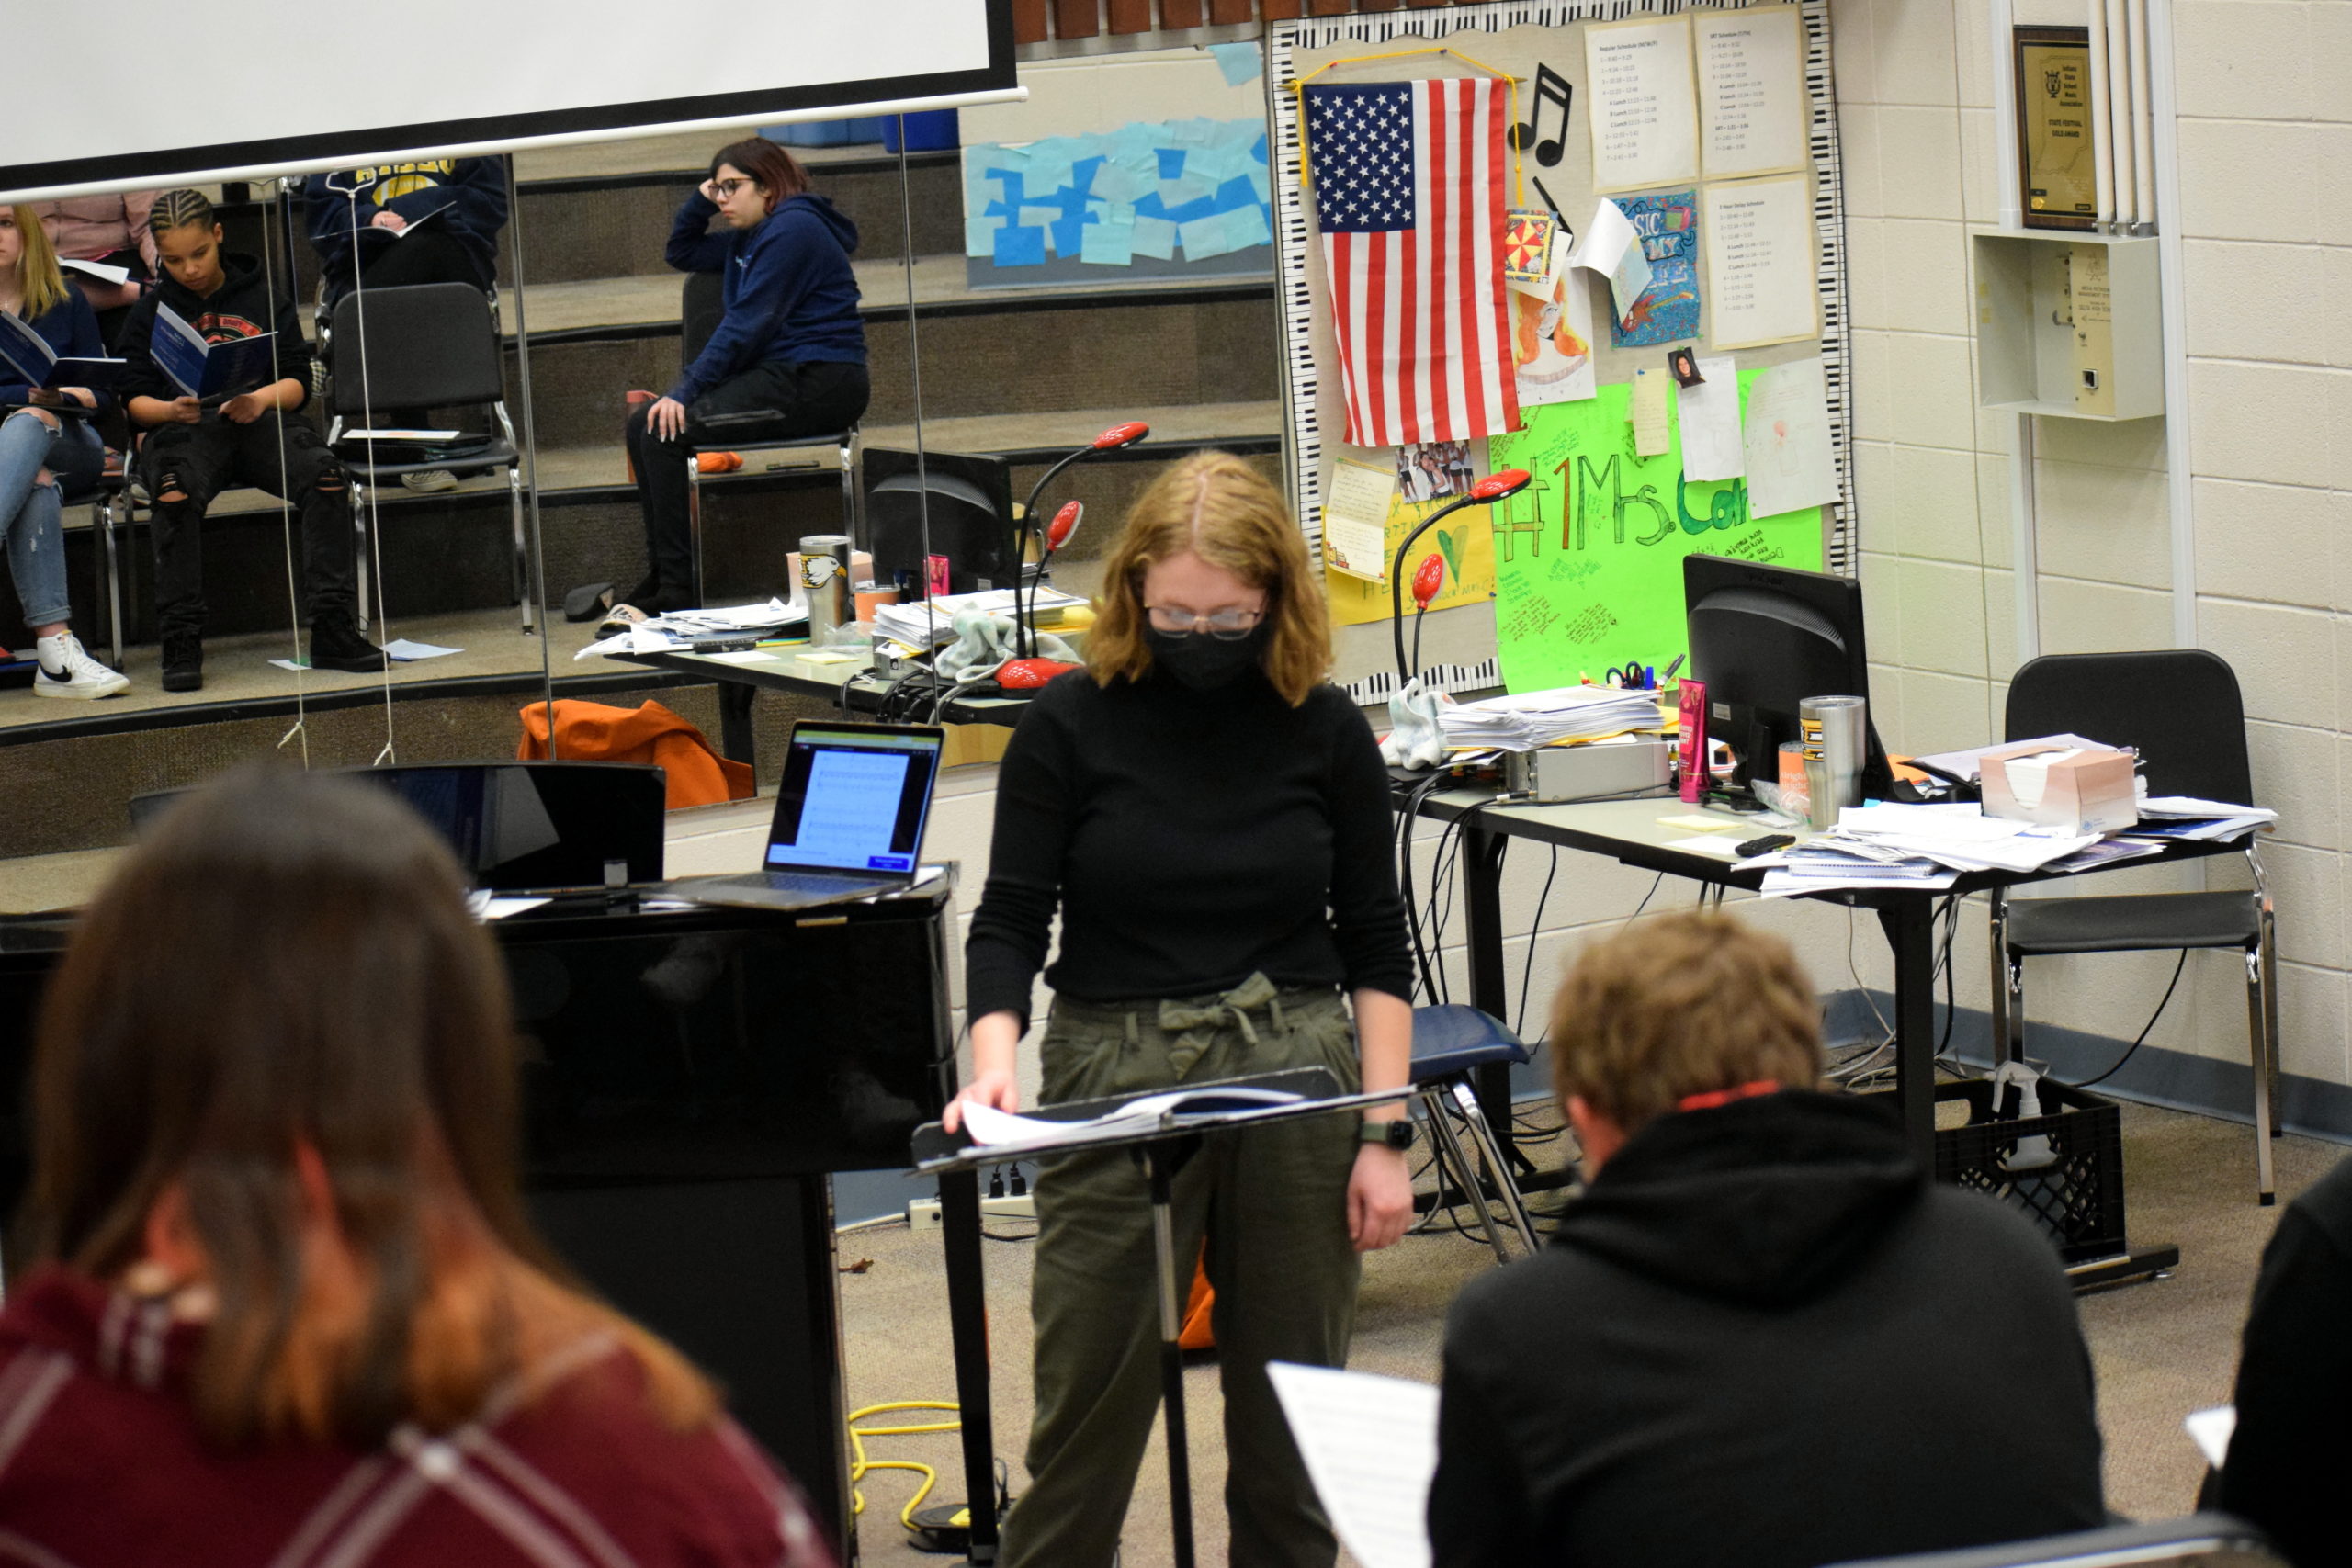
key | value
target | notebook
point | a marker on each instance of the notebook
(848, 819)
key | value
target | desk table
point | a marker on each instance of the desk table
(1630, 831)
(740, 679)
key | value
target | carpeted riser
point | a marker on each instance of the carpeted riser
(75, 794)
(574, 232)
(1015, 361)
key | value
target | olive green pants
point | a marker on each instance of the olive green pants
(1271, 1201)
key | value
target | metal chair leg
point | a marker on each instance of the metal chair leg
(1450, 1155)
(524, 593)
(357, 490)
(2011, 1045)
(2260, 1020)
(851, 524)
(109, 562)
(1497, 1169)
(694, 524)
(1997, 934)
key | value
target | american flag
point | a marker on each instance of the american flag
(1408, 192)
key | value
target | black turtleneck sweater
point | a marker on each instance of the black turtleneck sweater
(1188, 839)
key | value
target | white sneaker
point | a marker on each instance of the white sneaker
(68, 671)
(429, 480)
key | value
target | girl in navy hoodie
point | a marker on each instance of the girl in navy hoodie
(788, 357)
(46, 441)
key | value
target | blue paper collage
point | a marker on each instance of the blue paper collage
(1144, 190)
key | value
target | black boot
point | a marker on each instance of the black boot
(183, 662)
(335, 644)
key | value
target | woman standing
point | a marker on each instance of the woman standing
(1211, 822)
(788, 356)
(46, 443)
(284, 1304)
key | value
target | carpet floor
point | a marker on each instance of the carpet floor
(2163, 1348)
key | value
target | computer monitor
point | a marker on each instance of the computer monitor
(971, 513)
(1763, 638)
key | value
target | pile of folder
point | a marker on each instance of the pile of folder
(1893, 845)
(1555, 717)
(925, 624)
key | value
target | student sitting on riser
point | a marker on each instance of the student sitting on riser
(193, 453)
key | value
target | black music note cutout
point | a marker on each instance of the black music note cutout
(1550, 87)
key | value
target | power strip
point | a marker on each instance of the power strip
(923, 1214)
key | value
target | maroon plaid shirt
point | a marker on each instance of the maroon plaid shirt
(101, 1463)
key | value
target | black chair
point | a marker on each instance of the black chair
(2180, 708)
(426, 345)
(2200, 1540)
(700, 308)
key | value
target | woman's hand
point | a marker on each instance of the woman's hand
(1380, 1198)
(666, 418)
(387, 219)
(242, 409)
(999, 1090)
(185, 411)
(83, 395)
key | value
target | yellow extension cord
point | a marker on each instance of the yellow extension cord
(860, 1464)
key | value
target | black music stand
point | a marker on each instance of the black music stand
(1162, 1147)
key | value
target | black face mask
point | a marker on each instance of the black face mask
(1205, 663)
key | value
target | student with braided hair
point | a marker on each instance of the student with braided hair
(192, 453)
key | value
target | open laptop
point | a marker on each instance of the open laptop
(848, 819)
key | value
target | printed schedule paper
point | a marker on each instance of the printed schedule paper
(1752, 105)
(1640, 97)
(1763, 258)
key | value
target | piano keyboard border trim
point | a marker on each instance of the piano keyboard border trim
(1302, 384)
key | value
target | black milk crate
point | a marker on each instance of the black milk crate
(2077, 1198)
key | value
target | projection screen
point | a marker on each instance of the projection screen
(285, 86)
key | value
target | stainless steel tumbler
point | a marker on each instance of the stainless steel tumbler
(826, 580)
(1832, 730)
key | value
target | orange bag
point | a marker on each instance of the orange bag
(1197, 1333)
(592, 732)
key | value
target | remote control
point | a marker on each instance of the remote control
(725, 644)
(1765, 845)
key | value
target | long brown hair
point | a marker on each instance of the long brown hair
(282, 991)
(1217, 507)
(40, 277)
(777, 172)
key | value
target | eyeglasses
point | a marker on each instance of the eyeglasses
(724, 190)
(1226, 626)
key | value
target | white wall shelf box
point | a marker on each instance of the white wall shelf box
(2069, 324)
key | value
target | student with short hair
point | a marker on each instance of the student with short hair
(279, 1302)
(193, 453)
(1762, 1337)
(47, 441)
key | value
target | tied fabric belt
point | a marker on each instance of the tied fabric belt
(1195, 1023)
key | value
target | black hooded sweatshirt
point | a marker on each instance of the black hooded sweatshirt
(240, 308)
(1763, 1338)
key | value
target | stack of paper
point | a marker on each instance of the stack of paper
(1531, 720)
(925, 623)
(683, 628)
(1914, 846)
(2186, 816)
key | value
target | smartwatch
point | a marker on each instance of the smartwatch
(1396, 1134)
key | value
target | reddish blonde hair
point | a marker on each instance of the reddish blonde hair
(1681, 1004)
(278, 1031)
(1217, 507)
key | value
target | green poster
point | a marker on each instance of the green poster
(1589, 557)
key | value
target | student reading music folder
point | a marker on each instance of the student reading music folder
(193, 453)
(1210, 819)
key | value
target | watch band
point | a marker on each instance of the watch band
(1396, 1134)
